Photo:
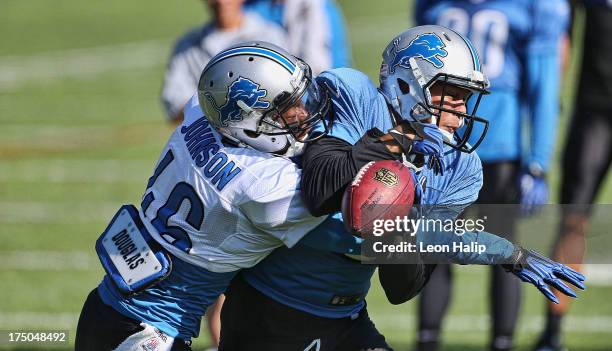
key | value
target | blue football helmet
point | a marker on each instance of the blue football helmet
(420, 57)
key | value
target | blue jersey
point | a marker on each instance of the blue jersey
(176, 304)
(518, 41)
(331, 285)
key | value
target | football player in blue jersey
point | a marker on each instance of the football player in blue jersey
(308, 299)
(520, 46)
(315, 30)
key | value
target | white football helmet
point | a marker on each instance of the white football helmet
(422, 56)
(258, 95)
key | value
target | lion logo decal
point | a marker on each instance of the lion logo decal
(242, 89)
(427, 46)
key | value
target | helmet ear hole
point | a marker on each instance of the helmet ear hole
(403, 86)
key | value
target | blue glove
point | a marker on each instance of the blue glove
(534, 192)
(430, 144)
(531, 267)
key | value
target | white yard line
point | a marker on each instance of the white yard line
(51, 321)
(400, 321)
(527, 324)
(56, 212)
(598, 274)
(18, 70)
(77, 170)
(78, 63)
(26, 260)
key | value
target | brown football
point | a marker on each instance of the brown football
(381, 190)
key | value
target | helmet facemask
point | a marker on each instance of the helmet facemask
(296, 113)
(468, 119)
(258, 95)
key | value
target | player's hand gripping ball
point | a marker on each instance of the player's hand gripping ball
(382, 190)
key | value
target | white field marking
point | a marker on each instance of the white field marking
(33, 132)
(597, 274)
(384, 322)
(17, 70)
(52, 321)
(77, 170)
(48, 260)
(56, 212)
(527, 324)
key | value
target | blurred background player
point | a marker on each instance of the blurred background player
(519, 42)
(315, 30)
(230, 25)
(310, 29)
(587, 153)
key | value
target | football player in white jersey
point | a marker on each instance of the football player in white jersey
(223, 195)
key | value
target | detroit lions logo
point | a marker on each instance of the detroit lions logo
(426, 46)
(242, 89)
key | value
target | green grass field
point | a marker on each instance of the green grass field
(81, 128)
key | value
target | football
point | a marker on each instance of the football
(382, 190)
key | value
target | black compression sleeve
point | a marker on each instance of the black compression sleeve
(330, 164)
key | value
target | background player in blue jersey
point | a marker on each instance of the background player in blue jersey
(520, 46)
(315, 29)
(587, 154)
(303, 298)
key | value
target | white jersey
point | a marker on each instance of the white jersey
(193, 51)
(222, 208)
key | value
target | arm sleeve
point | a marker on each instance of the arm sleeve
(331, 163)
(543, 90)
(461, 186)
(543, 75)
(497, 249)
